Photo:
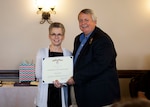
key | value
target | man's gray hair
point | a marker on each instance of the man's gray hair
(89, 11)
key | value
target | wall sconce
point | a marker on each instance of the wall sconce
(46, 8)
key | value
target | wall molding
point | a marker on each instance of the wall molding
(14, 74)
(130, 73)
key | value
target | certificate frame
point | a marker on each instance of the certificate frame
(57, 68)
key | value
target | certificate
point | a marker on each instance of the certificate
(57, 68)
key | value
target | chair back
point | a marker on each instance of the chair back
(134, 85)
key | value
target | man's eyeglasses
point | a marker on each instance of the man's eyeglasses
(59, 34)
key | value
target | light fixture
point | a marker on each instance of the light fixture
(46, 8)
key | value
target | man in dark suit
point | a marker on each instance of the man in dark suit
(95, 76)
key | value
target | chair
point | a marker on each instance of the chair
(134, 85)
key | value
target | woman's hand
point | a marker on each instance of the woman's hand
(57, 84)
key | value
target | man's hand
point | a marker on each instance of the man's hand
(71, 81)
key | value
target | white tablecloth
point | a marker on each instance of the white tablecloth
(17, 96)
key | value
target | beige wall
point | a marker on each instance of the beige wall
(126, 21)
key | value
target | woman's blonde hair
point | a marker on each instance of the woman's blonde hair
(57, 25)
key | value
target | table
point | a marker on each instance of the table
(23, 96)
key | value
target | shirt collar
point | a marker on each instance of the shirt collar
(82, 36)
